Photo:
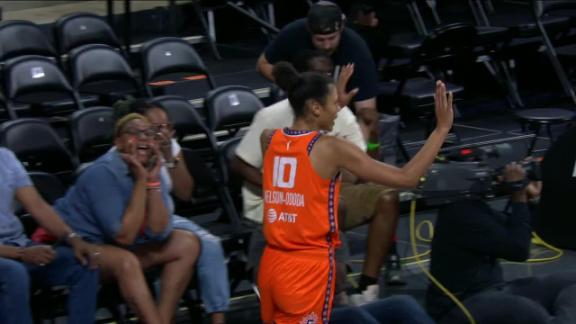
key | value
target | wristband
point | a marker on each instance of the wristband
(72, 235)
(155, 184)
(515, 186)
(371, 146)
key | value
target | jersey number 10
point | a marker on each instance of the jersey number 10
(282, 166)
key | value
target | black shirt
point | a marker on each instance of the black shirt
(376, 38)
(295, 37)
(469, 238)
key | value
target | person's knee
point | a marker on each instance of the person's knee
(14, 276)
(126, 263)
(389, 198)
(387, 204)
(186, 246)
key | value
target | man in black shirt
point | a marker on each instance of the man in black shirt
(324, 29)
(469, 239)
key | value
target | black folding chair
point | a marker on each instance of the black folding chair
(35, 85)
(82, 28)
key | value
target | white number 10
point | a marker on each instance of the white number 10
(281, 163)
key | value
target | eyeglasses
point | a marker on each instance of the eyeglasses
(140, 132)
(161, 127)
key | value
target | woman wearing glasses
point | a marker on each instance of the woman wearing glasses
(211, 266)
(122, 203)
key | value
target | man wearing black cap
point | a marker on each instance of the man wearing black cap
(324, 29)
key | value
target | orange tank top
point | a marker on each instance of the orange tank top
(300, 207)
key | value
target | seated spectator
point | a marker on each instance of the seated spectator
(211, 266)
(122, 203)
(469, 239)
(23, 262)
(400, 309)
(361, 203)
(324, 29)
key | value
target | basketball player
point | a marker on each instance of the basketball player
(301, 181)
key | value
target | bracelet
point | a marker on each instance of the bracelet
(72, 235)
(514, 186)
(158, 188)
(371, 146)
(153, 184)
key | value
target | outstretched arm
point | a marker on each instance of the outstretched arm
(354, 160)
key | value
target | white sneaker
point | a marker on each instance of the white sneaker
(369, 295)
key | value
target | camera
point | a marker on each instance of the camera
(472, 171)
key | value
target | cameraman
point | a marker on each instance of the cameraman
(469, 239)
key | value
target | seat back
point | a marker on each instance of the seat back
(186, 121)
(92, 132)
(169, 55)
(20, 37)
(231, 107)
(28, 74)
(231, 179)
(96, 62)
(184, 117)
(81, 28)
(50, 189)
(48, 186)
(26, 77)
(38, 146)
(204, 180)
(447, 44)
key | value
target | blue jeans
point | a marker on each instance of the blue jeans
(547, 298)
(211, 267)
(15, 276)
(395, 309)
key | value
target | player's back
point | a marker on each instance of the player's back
(300, 208)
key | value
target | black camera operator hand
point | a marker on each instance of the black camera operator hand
(515, 173)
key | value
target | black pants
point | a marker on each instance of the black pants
(541, 299)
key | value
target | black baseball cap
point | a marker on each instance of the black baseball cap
(325, 17)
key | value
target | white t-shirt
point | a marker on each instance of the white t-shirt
(164, 174)
(281, 115)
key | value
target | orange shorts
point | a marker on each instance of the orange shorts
(296, 288)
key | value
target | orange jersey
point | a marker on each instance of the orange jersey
(300, 207)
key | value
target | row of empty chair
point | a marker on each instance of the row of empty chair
(20, 37)
(99, 75)
(41, 148)
(89, 66)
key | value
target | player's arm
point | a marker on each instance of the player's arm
(350, 157)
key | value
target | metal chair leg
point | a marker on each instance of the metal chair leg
(534, 140)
